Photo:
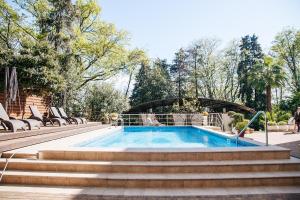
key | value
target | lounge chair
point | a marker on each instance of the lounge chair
(38, 116)
(154, 120)
(9, 122)
(55, 115)
(150, 120)
(77, 120)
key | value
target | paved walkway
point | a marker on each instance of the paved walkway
(283, 139)
(17, 140)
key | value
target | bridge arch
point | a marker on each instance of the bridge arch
(203, 102)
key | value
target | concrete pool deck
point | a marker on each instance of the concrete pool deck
(283, 139)
(65, 142)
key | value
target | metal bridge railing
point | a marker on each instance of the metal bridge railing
(213, 119)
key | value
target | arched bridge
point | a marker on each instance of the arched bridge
(203, 102)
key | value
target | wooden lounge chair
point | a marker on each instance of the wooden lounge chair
(9, 122)
(76, 120)
(38, 116)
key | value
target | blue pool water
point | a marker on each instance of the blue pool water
(163, 137)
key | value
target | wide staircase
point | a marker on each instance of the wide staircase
(156, 174)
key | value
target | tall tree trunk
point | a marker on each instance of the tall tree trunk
(280, 93)
(128, 85)
(196, 80)
(269, 98)
(276, 93)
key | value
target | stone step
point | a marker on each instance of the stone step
(124, 180)
(170, 154)
(152, 166)
(14, 192)
(19, 155)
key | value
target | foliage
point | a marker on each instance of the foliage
(179, 72)
(231, 113)
(251, 55)
(282, 123)
(240, 125)
(187, 106)
(104, 99)
(291, 103)
(152, 83)
(287, 48)
(266, 75)
(76, 46)
(237, 117)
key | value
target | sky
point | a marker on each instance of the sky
(161, 27)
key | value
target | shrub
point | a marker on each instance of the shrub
(283, 116)
(282, 123)
(240, 125)
(104, 99)
(271, 123)
(237, 117)
(231, 113)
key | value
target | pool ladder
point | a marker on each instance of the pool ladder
(251, 121)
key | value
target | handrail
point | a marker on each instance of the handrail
(251, 121)
(5, 166)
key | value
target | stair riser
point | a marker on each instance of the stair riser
(97, 182)
(20, 155)
(150, 169)
(163, 156)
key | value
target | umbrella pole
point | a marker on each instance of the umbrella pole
(6, 74)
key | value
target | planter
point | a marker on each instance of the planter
(105, 121)
(281, 128)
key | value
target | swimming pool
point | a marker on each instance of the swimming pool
(163, 137)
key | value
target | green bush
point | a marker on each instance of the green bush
(282, 123)
(237, 117)
(271, 123)
(231, 113)
(104, 99)
(240, 125)
(283, 116)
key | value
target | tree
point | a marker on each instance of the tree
(230, 62)
(193, 59)
(104, 99)
(267, 75)
(84, 47)
(287, 48)
(152, 83)
(179, 72)
(134, 60)
(251, 54)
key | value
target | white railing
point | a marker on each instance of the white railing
(251, 121)
(213, 119)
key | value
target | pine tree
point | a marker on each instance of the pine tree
(251, 55)
(180, 73)
(152, 83)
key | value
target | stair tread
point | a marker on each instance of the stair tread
(156, 163)
(171, 176)
(52, 190)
